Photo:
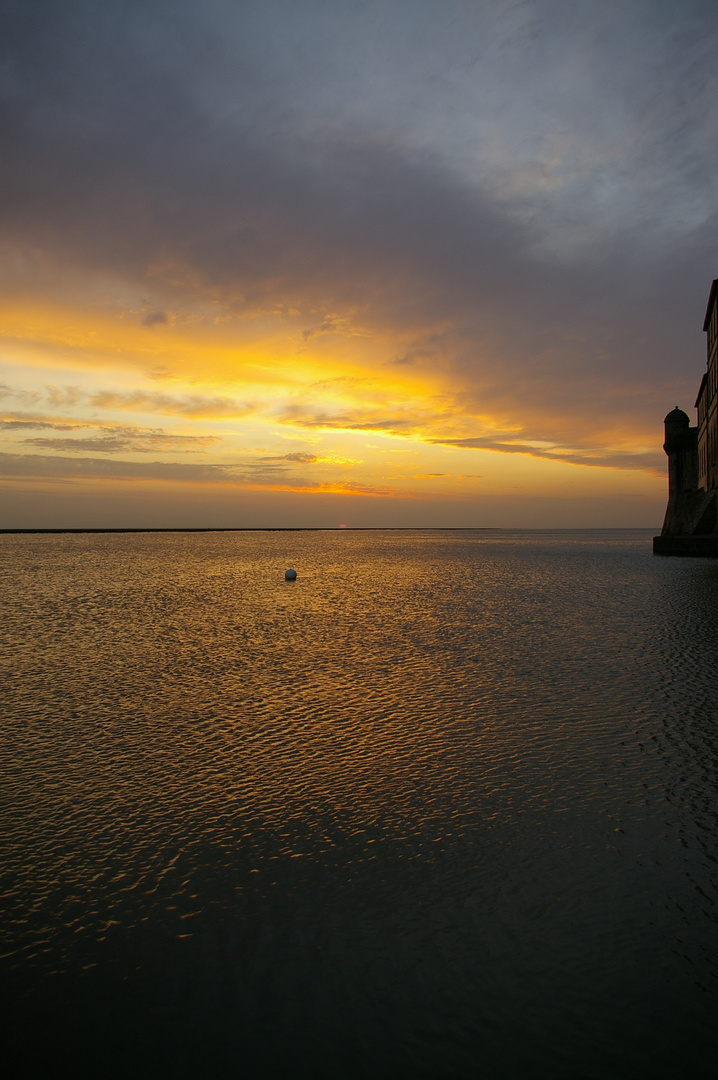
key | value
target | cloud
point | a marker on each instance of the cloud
(197, 406)
(332, 323)
(110, 439)
(305, 416)
(652, 461)
(155, 318)
(415, 356)
(21, 425)
(520, 201)
(123, 440)
(193, 405)
(46, 467)
(38, 467)
(64, 396)
(30, 397)
(302, 458)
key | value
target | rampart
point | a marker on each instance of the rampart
(690, 526)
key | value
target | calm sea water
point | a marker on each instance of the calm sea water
(444, 807)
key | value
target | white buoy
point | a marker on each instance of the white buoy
(290, 575)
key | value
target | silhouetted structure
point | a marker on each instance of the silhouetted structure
(690, 526)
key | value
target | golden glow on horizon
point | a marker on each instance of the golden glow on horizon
(96, 397)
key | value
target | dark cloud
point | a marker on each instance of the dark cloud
(107, 439)
(22, 425)
(189, 405)
(107, 444)
(580, 456)
(248, 473)
(155, 318)
(127, 440)
(50, 467)
(194, 405)
(302, 458)
(353, 421)
(418, 355)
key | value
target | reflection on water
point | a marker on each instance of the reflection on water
(443, 807)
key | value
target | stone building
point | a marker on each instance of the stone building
(707, 401)
(690, 526)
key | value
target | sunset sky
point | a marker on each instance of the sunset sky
(343, 262)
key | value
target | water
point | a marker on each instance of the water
(444, 807)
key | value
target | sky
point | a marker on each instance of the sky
(351, 262)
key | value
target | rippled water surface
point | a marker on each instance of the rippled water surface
(444, 807)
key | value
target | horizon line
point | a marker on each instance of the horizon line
(333, 528)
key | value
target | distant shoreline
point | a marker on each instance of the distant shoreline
(272, 528)
(334, 528)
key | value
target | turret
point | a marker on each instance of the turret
(677, 424)
(681, 446)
